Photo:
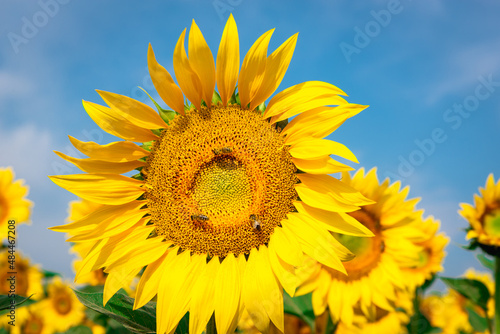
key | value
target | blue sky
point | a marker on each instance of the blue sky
(429, 69)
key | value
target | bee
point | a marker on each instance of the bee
(224, 150)
(256, 223)
(199, 218)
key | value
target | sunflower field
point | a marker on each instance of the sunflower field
(224, 204)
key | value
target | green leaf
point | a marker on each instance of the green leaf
(300, 307)
(50, 274)
(216, 98)
(477, 322)
(485, 261)
(420, 324)
(471, 289)
(183, 327)
(167, 115)
(5, 302)
(472, 246)
(261, 107)
(119, 307)
(79, 330)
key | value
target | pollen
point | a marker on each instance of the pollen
(212, 174)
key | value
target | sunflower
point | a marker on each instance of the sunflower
(446, 312)
(431, 255)
(62, 310)
(212, 216)
(374, 277)
(30, 320)
(484, 216)
(13, 204)
(386, 322)
(28, 276)
(76, 211)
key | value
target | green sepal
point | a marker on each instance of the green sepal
(216, 99)
(5, 302)
(300, 307)
(473, 290)
(147, 146)
(478, 323)
(138, 176)
(156, 131)
(428, 283)
(165, 114)
(485, 261)
(261, 107)
(235, 98)
(472, 245)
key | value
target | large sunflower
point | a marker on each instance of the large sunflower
(211, 215)
(374, 276)
(484, 215)
(14, 206)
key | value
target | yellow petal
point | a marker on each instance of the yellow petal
(114, 123)
(120, 151)
(101, 188)
(319, 245)
(318, 199)
(253, 69)
(228, 60)
(271, 293)
(251, 293)
(150, 279)
(227, 293)
(164, 84)
(112, 226)
(334, 187)
(174, 293)
(186, 76)
(320, 295)
(202, 62)
(315, 123)
(284, 272)
(286, 245)
(138, 258)
(101, 166)
(276, 67)
(324, 165)
(117, 280)
(202, 300)
(106, 251)
(135, 111)
(337, 222)
(298, 96)
(102, 214)
(315, 148)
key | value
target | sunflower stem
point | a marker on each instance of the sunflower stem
(211, 329)
(497, 295)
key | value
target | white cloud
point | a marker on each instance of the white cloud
(13, 86)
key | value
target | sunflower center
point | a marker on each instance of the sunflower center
(492, 223)
(223, 189)
(34, 325)
(219, 180)
(62, 303)
(367, 249)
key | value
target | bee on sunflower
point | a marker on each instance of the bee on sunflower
(229, 196)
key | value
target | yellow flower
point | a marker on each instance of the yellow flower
(30, 320)
(14, 207)
(446, 312)
(212, 214)
(61, 309)
(28, 277)
(385, 322)
(484, 216)
(431, 255)
(374, 276)
(488, 281)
